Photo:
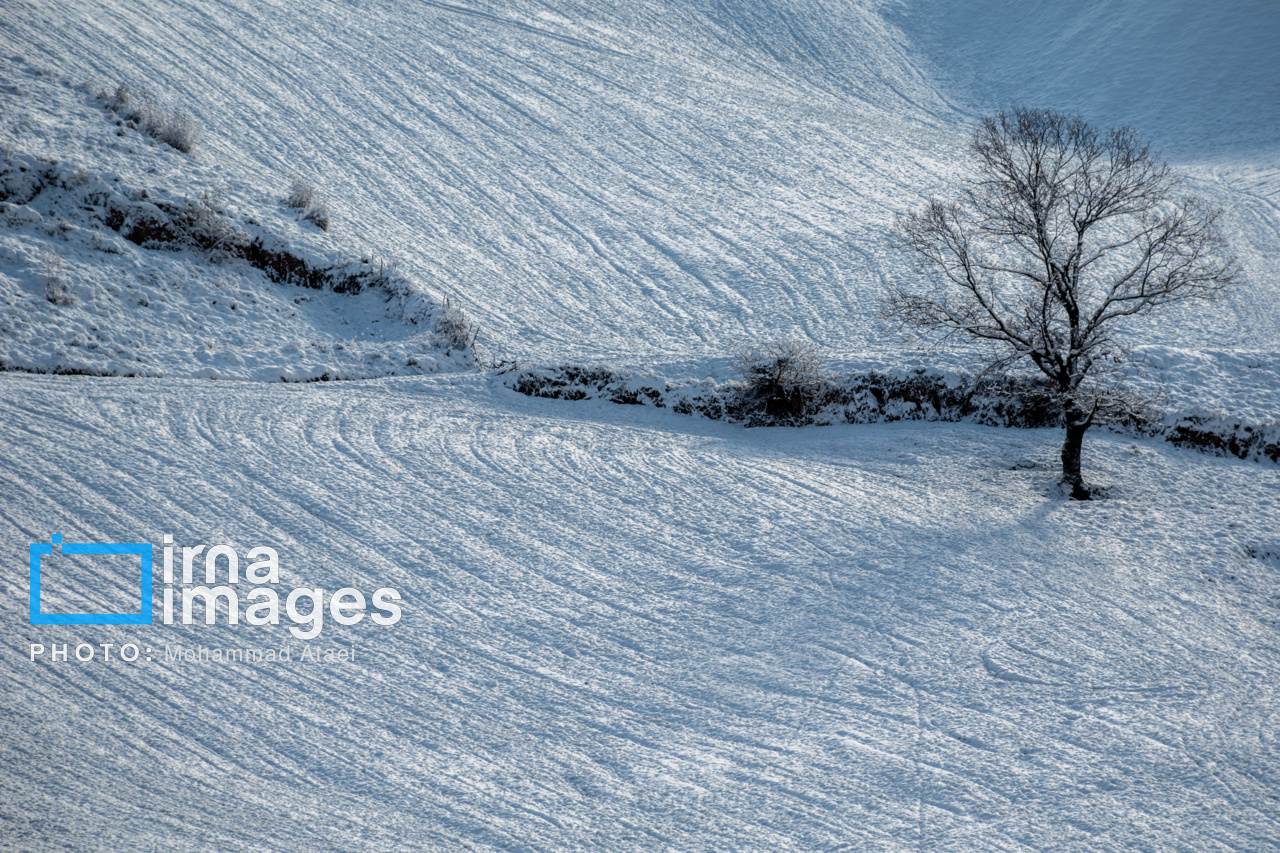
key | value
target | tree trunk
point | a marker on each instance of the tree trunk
(1077, 423)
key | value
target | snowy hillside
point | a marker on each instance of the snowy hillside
(623, 628)
(632, 631)
(121, 256)
(644, 182)
(1200, 78)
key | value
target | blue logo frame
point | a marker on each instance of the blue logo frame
(142, 549)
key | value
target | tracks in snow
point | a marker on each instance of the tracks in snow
(633, 626)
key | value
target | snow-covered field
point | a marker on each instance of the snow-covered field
(627, 630)
(659, 181)
(77, 296)
(623, 628)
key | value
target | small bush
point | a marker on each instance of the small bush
(304, 197)
(780, 380)
(174, 126)
(319, 215)
(453, 329)
(55, 281)
(179, 131)
(301, 194)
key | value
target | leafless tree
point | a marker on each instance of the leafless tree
(779, 378)
(1059, 234)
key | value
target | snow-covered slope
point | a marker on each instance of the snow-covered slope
(588, 179)
(121, 256)
(636, 183)
(632, 631)
(1202, 78)
(623, 629)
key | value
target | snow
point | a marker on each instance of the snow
(634, 630)
(142, 310)
(1201, 79)
(620, 181)
(657, 185)
(624, 628)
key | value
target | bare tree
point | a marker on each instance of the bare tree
(1060, 233)
(780, 378)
